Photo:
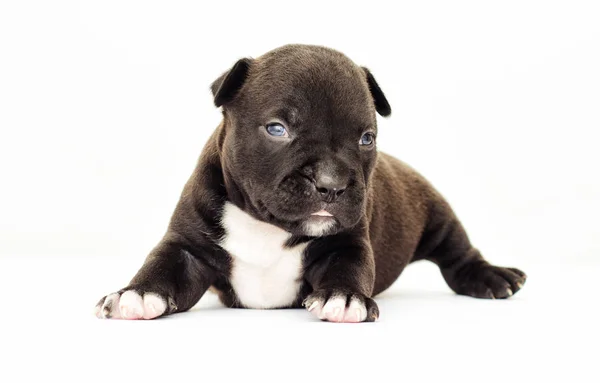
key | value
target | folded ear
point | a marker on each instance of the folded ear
(381, 103)
(229, 83)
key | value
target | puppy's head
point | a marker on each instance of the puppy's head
(299, 137)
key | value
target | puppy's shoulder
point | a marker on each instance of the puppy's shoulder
(399, 181)
(406, 185)
(397, 174)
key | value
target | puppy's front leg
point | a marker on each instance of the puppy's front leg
(341, 271)
(170, 280)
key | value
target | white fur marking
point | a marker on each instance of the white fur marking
(356, 311)
(264, 274)
(334, 309)
(154, 305)
(318, 228)
(131, 305)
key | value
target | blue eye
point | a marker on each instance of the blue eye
(276, 129)
(367, 139)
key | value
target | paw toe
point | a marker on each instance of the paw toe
(356, 311)
(154, 306)
(131, 305)
(491, 282)
(513, 279)
(518, 272)
(499, 287)
(334, 309)
(98, 308)
(339, 306)
(314, 304)
(372, 310)
(110, 307)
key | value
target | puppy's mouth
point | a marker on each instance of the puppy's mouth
(322, 213)
(320, 223)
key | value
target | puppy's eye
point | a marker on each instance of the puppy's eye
(367, 139)
(276, 129)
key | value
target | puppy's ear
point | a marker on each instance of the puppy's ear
(229, 83)
(381, 103)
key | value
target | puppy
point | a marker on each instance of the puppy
(291, 204)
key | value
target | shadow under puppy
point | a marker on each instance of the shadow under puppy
(291, 204)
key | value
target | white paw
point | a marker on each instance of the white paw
(335, 310)
(131, 305)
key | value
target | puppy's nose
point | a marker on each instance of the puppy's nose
(330, 187)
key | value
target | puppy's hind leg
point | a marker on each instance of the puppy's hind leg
(170, 280)
(466, 272)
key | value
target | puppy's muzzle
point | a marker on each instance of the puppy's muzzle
(331, 179)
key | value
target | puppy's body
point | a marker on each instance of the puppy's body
(267, 271)
(291, 204)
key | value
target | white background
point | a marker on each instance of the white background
(104, 108)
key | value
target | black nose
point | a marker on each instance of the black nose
(330, 188)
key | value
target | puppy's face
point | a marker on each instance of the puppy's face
(300, 137)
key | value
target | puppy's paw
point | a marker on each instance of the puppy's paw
(488, 281)
(336, 305)
(134, 304)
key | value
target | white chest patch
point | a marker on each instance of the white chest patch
(264, 273)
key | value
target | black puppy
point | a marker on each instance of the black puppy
(291, 204)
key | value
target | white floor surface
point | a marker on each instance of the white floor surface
(426, 333)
